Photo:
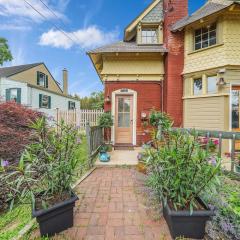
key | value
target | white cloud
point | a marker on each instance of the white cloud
(14, 27)
(13, 9)
(85, 38)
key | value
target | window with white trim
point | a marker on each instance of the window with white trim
(205, 37)
(149, 36)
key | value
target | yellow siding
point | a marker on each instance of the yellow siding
(133, 69)
(227, 50)
(206, 113)
(232, 39)
(30, 76)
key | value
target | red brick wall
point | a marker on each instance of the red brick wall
(148, 97)
(174, 61)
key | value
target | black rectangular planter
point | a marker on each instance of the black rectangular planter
(183, 224)
(57, 218)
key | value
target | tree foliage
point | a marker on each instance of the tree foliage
(5, 53)
(94, 101)
(14, 130)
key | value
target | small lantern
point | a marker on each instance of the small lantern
(221, 82)
(108, 99)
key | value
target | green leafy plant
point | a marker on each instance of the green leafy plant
(46, 169)
(181, 170)
(106, 121)
(161, 123)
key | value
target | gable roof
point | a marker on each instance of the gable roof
(211, 7)
(152, 14)
(10, 71)
(128, 47)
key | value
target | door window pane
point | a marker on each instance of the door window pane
(127, 105)
(197, 86)
(235, 109)
(120, 119)
(212, 84)
(124, 109)
(120, 104)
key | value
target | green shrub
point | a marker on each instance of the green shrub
(46, 169)
(181, 170)
(106, 121)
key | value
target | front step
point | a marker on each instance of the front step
(127, 147)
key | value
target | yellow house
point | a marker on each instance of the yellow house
(212, 66)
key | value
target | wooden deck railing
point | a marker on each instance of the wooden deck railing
(95, 140)
(220, 135)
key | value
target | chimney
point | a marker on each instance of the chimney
(174, 61)
(65, 81)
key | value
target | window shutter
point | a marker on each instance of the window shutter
(74, 104)
(40, 100)
(38, 81)
(69, 104)
(49, 102)
(7, 94)
(19, 95)
(46, 83)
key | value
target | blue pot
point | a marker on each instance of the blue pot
(104, 157)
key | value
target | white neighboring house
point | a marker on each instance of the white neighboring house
(34, 86)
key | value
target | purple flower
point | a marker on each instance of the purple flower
(4, 163)
(139, 156)
(212, 161)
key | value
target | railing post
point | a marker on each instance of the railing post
(233, 152)
(220, 145)
(88, 135)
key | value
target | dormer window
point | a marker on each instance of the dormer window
(149, 36)
(205, 37)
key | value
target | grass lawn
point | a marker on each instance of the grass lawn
(14, 221)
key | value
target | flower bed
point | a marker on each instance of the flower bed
(226, 204)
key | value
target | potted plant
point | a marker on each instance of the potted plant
(45, 173)
(103, 155)
(179, 173)
(105, 121)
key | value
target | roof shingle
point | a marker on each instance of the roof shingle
(209, 8)
(9, 71)
(129, 47)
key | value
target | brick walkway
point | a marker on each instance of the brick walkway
(112, 207)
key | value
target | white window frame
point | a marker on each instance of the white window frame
(201, 37)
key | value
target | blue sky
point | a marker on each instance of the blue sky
(89, 23)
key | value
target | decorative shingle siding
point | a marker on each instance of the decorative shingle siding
(226, 52)
(209, 8)
(154, 16)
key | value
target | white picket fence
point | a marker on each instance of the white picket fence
(79, 118)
